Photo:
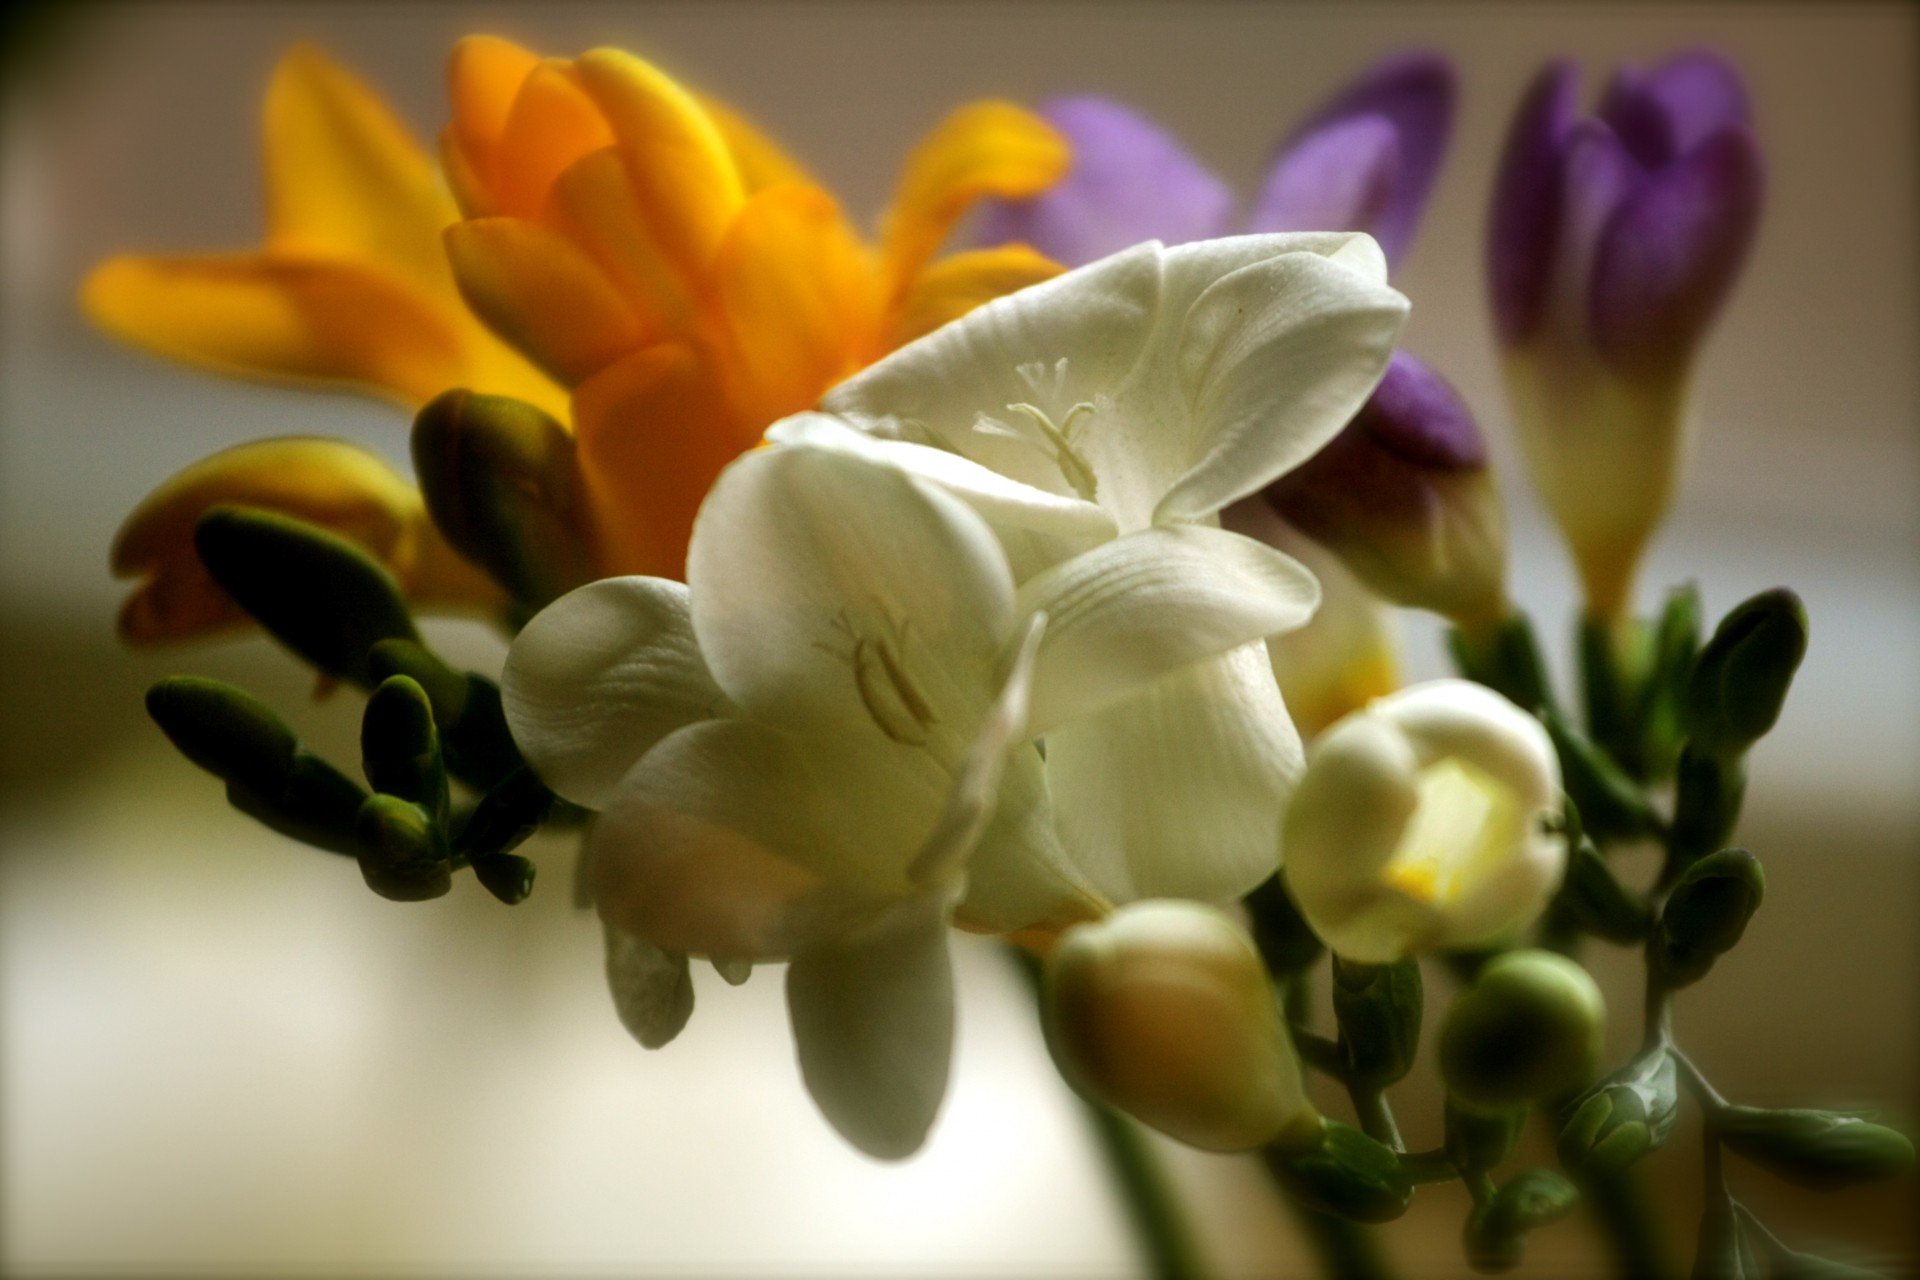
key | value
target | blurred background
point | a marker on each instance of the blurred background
(222, 1054)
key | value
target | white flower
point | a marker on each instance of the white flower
(1423, 821)
(1099, 422)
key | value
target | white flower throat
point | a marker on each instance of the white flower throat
(1040, 424)
(877, 658)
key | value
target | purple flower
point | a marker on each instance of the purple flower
(1612, 244)
(1365, 160)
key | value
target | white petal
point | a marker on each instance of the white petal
(1274, 359)
(835, 595)
(1189, 270)
(1460, 718)
(652, 990)
(1129, 611)
(1177, 791)
(873, 1027)
(599, 676)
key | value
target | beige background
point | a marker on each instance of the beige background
(219, 1051)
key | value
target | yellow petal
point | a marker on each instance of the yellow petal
(596, 205)
(263, 316)
(553, 124)
(543, 295)
(327, 482)
(653, 433)
(484, 76)
(798, 294)
(983, 149)
(953, 286)
(683, 175)
(344, 179)
(762, 161)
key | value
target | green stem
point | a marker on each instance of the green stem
(1161, 1228)
(1375, 1114)
(1345, 1250)
(1632, 1235)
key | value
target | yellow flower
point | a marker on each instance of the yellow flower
(685, 278)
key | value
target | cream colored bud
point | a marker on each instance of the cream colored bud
(1164, 1010)
(1424, 821)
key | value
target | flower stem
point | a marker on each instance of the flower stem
(1158, 1222)
(1345, 1250)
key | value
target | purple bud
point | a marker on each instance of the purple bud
(1131, 181)
(1412, 94)
(1669, 257)
(1523, 229)
(1664, 114)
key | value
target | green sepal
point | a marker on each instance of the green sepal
(502, 482)
(1819, 1150)
(1480, 1140)
(1379, 1009)
(1496, 1230)
(1348, 1175)
(1724, 1251)
(1612, 805)
(1663, 699)
(225, 730)
(317, 593)
(1708, 794)
(1706, 915)
(466, 710)
(1506, 660)
(505, 817)
(1598, 902)
(1622, 1118)
(402, 853)
(1615, 660)
(400, 749)
(1741, 677)
(1282, 934)
(1528, 1027)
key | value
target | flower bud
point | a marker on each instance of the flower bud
(1378, 1008)
(1347, 1174)
(466, 711)
(399, 749)
(1821, 1150)
(1623, 1117)
(1404, 497)
(1740, 680)
(1421, 822)
(1706, 915)
(1529, 1027)
(401, 854)
(1612, 243)
(1164, 1010)
(1496, 1230)
(503, 819)
(1480, 1140)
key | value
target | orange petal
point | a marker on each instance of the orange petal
(553, 124)
(798, 295)
(484, 76)
(542, 295)
(683, 174)
(653, 433)
(762, 161)
(263, 316)
(954, 286)
(344, 178)
(983, 149)
(328, 482)
(596, 205)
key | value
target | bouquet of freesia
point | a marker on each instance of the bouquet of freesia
(859, 592)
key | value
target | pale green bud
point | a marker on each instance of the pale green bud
(1529, 1027)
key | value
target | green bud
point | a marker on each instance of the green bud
(1529, 1027)
(1285, 940)
(505, 817)
(226, 731)
(1708, 794)
(315, 804)
(318, 593)
(466, 710)
(1347, 1174)
(1379, 1008)
(1496, 1230)
(1676, 643)
(1611, 804)
(1599, 902)
(1706, 915)
(1615, 658)
(1481, 1140)
(1622, 1118)
(502, 483)
(1820, 1150)
(1741, 678)
(401, 853)
(399, 749)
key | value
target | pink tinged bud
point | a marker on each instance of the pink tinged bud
(1404, 497)
(1164, 1010)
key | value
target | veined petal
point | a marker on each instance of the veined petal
(1273, 360)
(955, 285)
(1177, 792)
(652, 990)
(1132, 610)
(873, 1027)
(837, 596)
(260, 315)
(601, 675)
(653, 431)
(344, 178)
(982, 149)
(679, 164)
(543, 295)
(552, 124)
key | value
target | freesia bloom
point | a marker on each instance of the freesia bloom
(1164, 1010)
(1612, 243)
(1422, 822)
(1100, 421)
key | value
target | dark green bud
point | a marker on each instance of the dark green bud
(1529, 1027)
(1708, 793)
(1481, 1140)
(1820, 1150)
(1622, 1118)
(1496, 1231)
(1600, 903)
(1286, 942)
(1612, 805)
(1706, 915)
(1741, 678)
(502, 483)
(1378, 1007)
(226, 731)
(401, 853)
(315, 804)
(1348, 1175)
(505, 817)
(466, 711)
(319, 594)
(399, 748)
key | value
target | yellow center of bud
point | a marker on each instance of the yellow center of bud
(1464, 823)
